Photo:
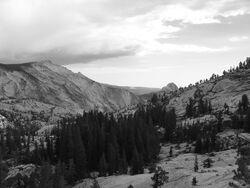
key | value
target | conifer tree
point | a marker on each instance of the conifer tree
(171, 151)
(198, 146)
(210, 107)
(59, 181)
(247, 122)
(79, 155)
(137, 167)
(194, 181)
(96, 184)
(245, 102)
(154, 99)
(3, 168)
(103, 165)
(46, 176)
(123, 163)
(196, 168)
(70, 173)
(159, 178)
(111, 158)
(207, 163)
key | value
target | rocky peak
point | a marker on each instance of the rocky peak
(171, 87)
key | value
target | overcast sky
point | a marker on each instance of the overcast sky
(128, 42)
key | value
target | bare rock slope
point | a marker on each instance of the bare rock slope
(225, 89)
(55, 85)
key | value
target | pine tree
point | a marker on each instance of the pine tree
(159, 178)
(137, 166)
(171, 151)
(207, 163)
(79, 155)
(96, 184)
(226, 108)
(196, 168)
(201, 107)
(33, 181)
(70, 144)
(46, 176)
(154, 99)
(247, 122)
(111, 158)
(194, 181)
(219, 124)
(123, 163)
(210, 107)
(103, 165)
(245, 102)
(198, 146)
(70, 173)
(59, 181)
(3, 168)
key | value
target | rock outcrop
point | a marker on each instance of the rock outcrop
(171, 87)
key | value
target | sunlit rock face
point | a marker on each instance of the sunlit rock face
(55, 85)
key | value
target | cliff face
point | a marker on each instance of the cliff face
(55, 85)
(225, 89)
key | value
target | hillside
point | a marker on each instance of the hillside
(55, 85)
(180, 168)
(224, 89)
(218, 90)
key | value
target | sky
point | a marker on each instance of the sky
(128, 42)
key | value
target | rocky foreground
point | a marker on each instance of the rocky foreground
(181, 171)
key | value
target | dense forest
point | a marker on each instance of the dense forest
(92, 142)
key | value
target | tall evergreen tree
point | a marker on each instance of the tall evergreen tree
(247, 122)
(194, 181)
(159, 178)
(245, 102)
(46, 176)
(196, 167)
(111, 158)
(3, 168)
(103, 165)
(137, 164)
(79, 154)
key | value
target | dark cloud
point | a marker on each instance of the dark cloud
(66, 58)
(72, 31)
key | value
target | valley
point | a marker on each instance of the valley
(61, 127)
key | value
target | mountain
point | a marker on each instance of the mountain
(54, 85)
(168, 89)
(140, 90)
(220, 90)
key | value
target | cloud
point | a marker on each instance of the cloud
(238, 38)
(70, 31)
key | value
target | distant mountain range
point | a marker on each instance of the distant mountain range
(47, 83)
(139, 90)
(41, 86)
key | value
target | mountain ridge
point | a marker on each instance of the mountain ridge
(55, 84)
